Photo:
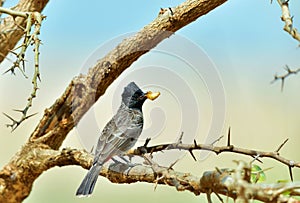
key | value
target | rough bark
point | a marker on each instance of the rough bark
(17, 177)
(10, 32)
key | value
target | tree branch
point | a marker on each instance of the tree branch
(220, 181)
(284, 76)
(288, 19)
(10, 26)
(217, 150)
(84, 91)
(29, 38)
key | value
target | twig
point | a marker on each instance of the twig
(284, 76)
(33, 18)
(232, 183)
(280, 146)
(16, 123)
(220, 149)
(13, 12)
(288, 19)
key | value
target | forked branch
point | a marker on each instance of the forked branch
(282, 77)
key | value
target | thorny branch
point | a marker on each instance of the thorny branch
(219, 149)
(30, 38)
(284, 76)
(234, 183)
(288, 19)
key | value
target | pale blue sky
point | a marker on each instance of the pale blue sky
(245, 41)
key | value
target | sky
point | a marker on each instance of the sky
(223, 63)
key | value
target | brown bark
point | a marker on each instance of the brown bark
(10, 33)
(17, 177)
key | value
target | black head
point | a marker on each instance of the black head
(133, 96)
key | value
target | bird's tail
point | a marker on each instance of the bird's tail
(88, 183)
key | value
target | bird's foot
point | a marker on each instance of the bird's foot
(126, 161)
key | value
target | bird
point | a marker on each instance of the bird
(119, 134)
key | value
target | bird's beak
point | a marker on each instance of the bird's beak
(152, 95)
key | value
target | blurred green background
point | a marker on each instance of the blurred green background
(245, 41)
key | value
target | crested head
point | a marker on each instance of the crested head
(133, 96)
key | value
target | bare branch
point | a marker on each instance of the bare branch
(284, 76)
(232, 183)
(11, 27)
(288, 19)
(13, 13)
(217, 149)
(30, 38)
(16, 123)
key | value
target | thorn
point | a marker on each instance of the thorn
(195, 143)
(217, 140)
(291, 173)
(280, 146)
(23, 64)
(256, 158)
(161, 11)
(16, 123)
(191, 152)
(156, 181)
(14, 49)
(11, 69)
(147, 142)
(219, 170)
(219, 197)
(30, 116)
(91, 151)
(180, 138)
(172, 13)
(228, 137)
(173, 164)
(9, 117)
(14, 53)
(208, 197)
(39, 77)
(18, 110)
(287, 68)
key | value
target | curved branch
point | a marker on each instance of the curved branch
(220, 181)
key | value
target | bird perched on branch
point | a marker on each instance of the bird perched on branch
(119, 135)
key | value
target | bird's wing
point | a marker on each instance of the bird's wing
(118, 136)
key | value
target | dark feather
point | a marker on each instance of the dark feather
(118, 136)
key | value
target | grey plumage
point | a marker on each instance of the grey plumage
(119, 135)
